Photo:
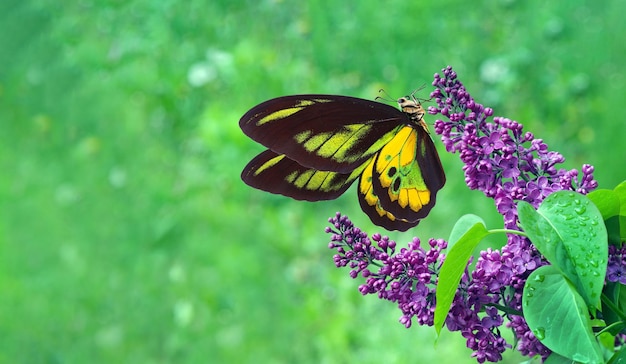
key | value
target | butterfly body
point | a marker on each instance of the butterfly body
(318, 145)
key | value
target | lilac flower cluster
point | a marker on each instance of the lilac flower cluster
(508, 165)
(407, 277)
(500, 159)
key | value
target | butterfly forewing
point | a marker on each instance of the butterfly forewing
(323, 132)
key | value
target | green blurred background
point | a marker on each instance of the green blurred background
(126, 234)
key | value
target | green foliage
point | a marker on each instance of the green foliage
(612, 205)
(607, 202)
(557, 315)
(467, 233)
(563, 230)
(569, 231)
(619, 357)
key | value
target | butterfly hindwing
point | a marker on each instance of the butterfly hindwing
(275, 173)
(407, 174)
(370, 203)
(323, 132)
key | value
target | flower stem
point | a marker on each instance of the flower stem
(508, 231)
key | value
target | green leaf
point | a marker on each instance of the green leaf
(555, 358)
(606, 339)
(621, 300)
(612, 290)
(613, 230)
(619, 357)
(558, 316)
(607, 201)
(463, 225)
(455, 264)
(569, 231)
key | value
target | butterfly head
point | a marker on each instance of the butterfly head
(413, 108)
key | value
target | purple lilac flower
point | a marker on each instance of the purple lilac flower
(507, 165)
(407, 277)
(616, 269)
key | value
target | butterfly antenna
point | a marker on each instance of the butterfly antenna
(385, 94)
(418, 99)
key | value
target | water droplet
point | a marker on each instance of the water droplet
(568, 216)
(576, 201)
(594, 222)
(574, 234)
(563, 203)
(539, 277)
(580, 210)
(540, 333)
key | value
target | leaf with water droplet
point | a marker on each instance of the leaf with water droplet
(557, 315)
(580, 210)
(565, 239)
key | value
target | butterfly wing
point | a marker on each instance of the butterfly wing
(370, 203)
(407, 174)
(323, 132)
(275, 173)
(278, 174)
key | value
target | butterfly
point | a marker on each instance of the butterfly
(318, 145)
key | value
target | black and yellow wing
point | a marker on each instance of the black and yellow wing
(407, 174)
(320, 144)
(324, 132)
(370, 204)
(278, 174)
